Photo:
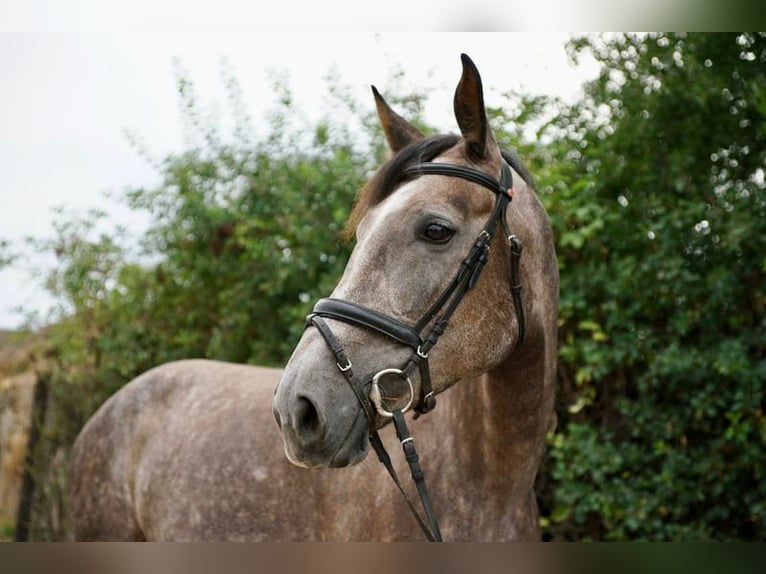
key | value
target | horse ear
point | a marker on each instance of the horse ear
(399, 132)
(471, 115)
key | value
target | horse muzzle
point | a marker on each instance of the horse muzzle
(325, 422)
(312, 438)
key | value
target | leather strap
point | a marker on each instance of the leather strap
(361, 316)
(411, 455)
(452, 170)
(516, 249)
(383, 457)
(344, 366)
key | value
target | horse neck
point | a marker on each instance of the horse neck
(501, 420)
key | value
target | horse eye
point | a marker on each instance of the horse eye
(437, 233)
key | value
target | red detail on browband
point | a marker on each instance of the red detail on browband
(510, 192)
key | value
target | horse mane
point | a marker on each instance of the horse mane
(385, 180)
(518, 166)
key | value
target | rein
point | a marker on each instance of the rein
(443, 308)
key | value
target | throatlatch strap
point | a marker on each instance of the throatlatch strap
(516, 249)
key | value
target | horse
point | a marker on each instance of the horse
(190, 450)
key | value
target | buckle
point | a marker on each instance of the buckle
(516, 245)
(346, 367)
(429, 402)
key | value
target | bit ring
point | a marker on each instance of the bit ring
(376, 398)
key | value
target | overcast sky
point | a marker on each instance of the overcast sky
(66, 100)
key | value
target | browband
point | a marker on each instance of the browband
(430, 168)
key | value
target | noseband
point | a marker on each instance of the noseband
(410, 335)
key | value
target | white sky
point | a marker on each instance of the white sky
(66, 99)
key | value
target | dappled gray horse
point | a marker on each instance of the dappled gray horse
(433, 303)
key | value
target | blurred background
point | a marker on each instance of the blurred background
(161, 195)
(87, 116)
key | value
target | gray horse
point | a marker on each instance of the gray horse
(190, 450)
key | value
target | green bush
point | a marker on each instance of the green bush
(657, 196)
(244, 236)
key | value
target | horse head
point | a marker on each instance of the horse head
(423, 302)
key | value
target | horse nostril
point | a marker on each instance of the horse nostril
(309, 425)
(277, 417)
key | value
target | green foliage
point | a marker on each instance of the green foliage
(6, 257)
(654, 182)
(6, 531)
(659, 207)
(238, 230)
(245, 234)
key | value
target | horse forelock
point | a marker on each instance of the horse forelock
(518, 166)
(385, 180)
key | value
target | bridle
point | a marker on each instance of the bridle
(463, 281)
(410, 335)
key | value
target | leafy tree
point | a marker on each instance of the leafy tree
(659, 206)
(243, 230)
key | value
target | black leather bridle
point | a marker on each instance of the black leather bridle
(410, 335)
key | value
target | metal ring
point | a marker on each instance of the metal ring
(377, 400)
